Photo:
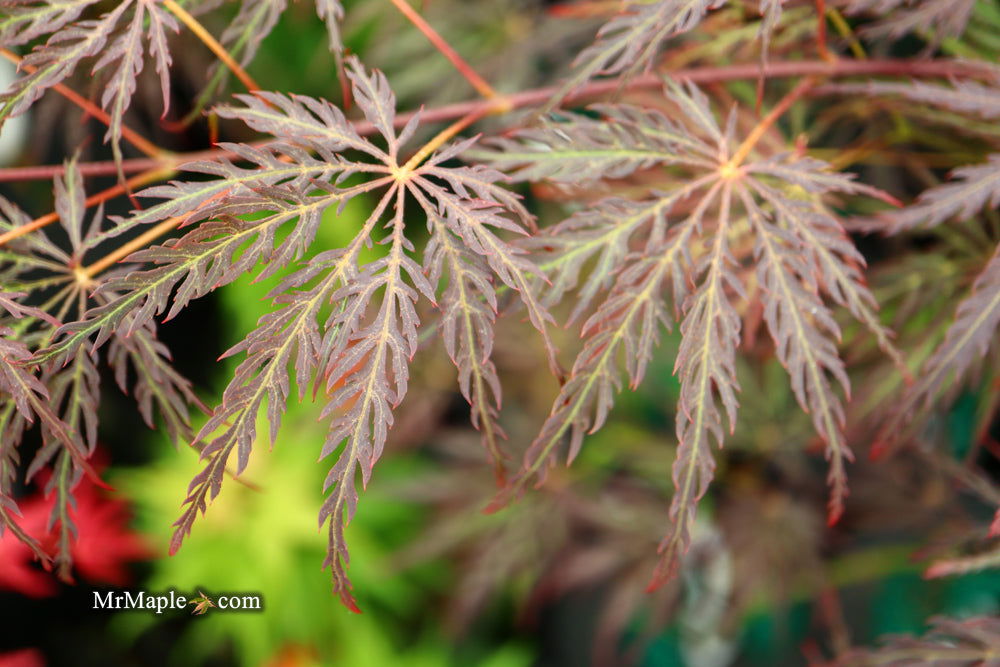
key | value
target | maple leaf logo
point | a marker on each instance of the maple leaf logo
(202, 603)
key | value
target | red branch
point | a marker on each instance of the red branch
(700, 75)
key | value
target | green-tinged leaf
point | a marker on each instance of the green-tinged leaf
(970, 641)
(968, 338)
(804, 334)
(26, 20)
(971, 188)
(706, 366)
(947, 18)
(469, 306)
(628, 43)
(358, 356)
(585, 149)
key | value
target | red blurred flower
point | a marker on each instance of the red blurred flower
(19, 572)
(103, 547)
(25, 657)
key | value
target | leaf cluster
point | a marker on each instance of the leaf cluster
(683, 208)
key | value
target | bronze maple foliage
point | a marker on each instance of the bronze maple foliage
(686, 203)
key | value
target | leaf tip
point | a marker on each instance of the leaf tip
(879, 450)
(500, 501)
(834, 512)
(350, 603)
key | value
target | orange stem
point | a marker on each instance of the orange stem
(137, 243)
(586, 10)
(141, 143)
(764, 125)
(526, 98)
(103, 196)
(142, 240)
(484, 89)
(213, 44)
(472, 110)
(821, 46)
(162, 228)
(444, 135)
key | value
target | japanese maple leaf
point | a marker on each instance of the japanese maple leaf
(348, 327)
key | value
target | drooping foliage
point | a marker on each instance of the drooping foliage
(684, 209)
(948, 641)
(801, 251)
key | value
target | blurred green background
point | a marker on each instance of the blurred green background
(557, 579)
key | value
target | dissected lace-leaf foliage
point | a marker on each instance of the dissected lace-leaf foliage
(22, 398)
(947, 18)
(116, 39)
(969, 188)
(349, 328)
(117, 42)
(254, 22)
(630, 42)
(652, 262)
(970, 641)
(968, 339)
(65, 396)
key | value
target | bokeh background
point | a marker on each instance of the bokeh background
(557, 579)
